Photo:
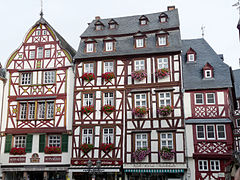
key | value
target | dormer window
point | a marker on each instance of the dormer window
(208, 74)
(163, 18)
(162, 38)
(143, 20)
(112, 24)
(98, 25)
(90, 46)
(139, 42)
(139, 39)
(191, 55)
(109, 44)
(208, 71)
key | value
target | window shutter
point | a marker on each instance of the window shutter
(64, 143)
(8, 143)
(29, 143)
(41, 142)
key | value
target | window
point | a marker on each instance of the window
(208, 74)
(139, 65)
(47, 53)
(139, 42)
(49, 77)
(108, 98)
(40, 52)
(38, 33)
(87, 99)
(167, 140)
(163, 19)
(200, 132)
(143, 22)
(41, 110)
(98, 27)
(87, 136)
(108, 67)
(164, 98)
(191, 57)
(23, 111)
(141, 141)
(31, 54)
(20, 141)
(108, 135)
(162, 40)
(112, 26)
(140, 100)
(54, 141)
(26, 78)
(215, 165)
(31, 110)
(88, 68)
(210, 98)
(89, 47)
(203, 165)
(221, 134)
(162, 63)
(44, 32)
(108, 46)
(50, 110)
(210, 132)
(238, 122)
(198, 98)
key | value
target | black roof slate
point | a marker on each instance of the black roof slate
(236, 76)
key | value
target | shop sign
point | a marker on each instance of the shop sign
(35, 158)
(53, 159)
(17, 159)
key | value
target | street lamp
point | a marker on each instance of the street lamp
(94, 169)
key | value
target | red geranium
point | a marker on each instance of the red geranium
(86, 147)
(161, 73)
(140, 111)
(87, 109)
(106, 147)
(108, 108)
(17, 151)
(88, 77)
(52, 150)
(108, 76)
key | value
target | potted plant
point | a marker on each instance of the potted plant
(108, 76)
(161, 73)
(167, 153)
(140, 111)
(86, 147)
(17, 151)
(52, 150)
(140, 154)
(106, 147)
(165, 110)
(139, 75)
(88, 77)
(87, 109)
(108, 109)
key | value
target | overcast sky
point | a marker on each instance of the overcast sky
(70, 18)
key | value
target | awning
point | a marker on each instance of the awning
(154, 170)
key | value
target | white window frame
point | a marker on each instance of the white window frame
(167, 140)
(87, 99)
(139, 65)
(191, 57)
(32, 54)
(89, 68)
(203, 163)
(109, 46)
(141, 141)
(89, 47)
(163, 19)
(41, 107)
(108, 135)
(20, 141)
(195, 98)
(44, 32)
(164, 99)
(210, 125)
(47, 53)
(26, 78)
(208, 73)
(215, 166)
(162, 63)
(40, 52)
(54, 140)
(108, 66)
(50, 109)
(207, 98)
(224, 131)
(38, 32)
(31, 110)
(23, 111)
(49, 77)
(98, 27)
(112, 26)
(108, 98)
(202, 131)
(87, 136)
(143, 22)
(162, 40)
(139, 42)
(140, 99)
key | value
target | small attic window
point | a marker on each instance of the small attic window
(163, 18)
(98, 25)
(162, 38)
(90, 46)
(139, 39)
(191, 55)
(109, 44)
(112, 24)
(208, 71)
(143, 20)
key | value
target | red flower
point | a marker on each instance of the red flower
(106, 147)
(161, 73)
(86, 147)
(108, 76)
(140, 111)
(52, 150)
(108, 108)
(17, 151)
(87, 109)
(88, 77)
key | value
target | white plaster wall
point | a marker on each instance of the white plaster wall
(189, 140)
(187, 105)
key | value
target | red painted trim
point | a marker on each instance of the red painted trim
(32, 130)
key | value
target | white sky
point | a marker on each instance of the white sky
(70, 18)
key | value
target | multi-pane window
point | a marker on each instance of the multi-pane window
(87, 99)
(140, 100)
(50, 110)
(20, 141)
(31, 110)
(203, 165)
(87, 136)
(162, 40)
(221, 134)
(41, 110)
(40, 52)
(215, 165)
(108, 98)
(112, 26)
(139, 42)
(54, 141)
(108, 67)
(163, 19)
(47, 53)
(198, 98)
(139, 65)
(23, 111)
(38, 33)
(49, 77)
(108, 135)
(167, 140)
(44, 32)
(164, 98)
(210, 132)
(210, 98)
(88, 68)
(89, 47)
(191, 57)
(162, 63)
(143, 21)
(109, 46)
(200, 132)
(141, 141)
(208, 73)
(26, 78)
(32, 54)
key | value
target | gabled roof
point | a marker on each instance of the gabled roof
(236, 76)
(192, 71)
(112, 21)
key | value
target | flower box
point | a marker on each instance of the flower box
(161, 73)
(140, 154)
(87, 109)
(165, 110)
(139, 75)
(166, 153)
(106, 147)
(108, 109)
(88, 77)
(140, 111)
(17, 151)
(86, 147)
(108, 76)
(52, 150)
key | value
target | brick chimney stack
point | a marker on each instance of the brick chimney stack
(97, 18)
(170, 8)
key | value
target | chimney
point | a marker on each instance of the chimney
(221, 56)
(170, 8)
(97, 17)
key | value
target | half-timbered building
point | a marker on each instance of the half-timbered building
(208, 111)
(38, 119)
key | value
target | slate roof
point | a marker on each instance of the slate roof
(129, 26)
(236, 76)
(2, 72)
(192, 71)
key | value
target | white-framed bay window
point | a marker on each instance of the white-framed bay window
(210, 98)
(108, 98)
(210, 132)
(162, 62)
(164, 98)
(108, 136)
(54, 140)
(89, 68)
(141, 141)
(214, 165)
(45, 110)
(87, 136)
(202, 165)
(108, 67)
(20, 141)
(140, 99)
(139, 65)
(200, 130)
(199, 98)
(221, 132)
(167, 140)
(87, 99)
(49, 77)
